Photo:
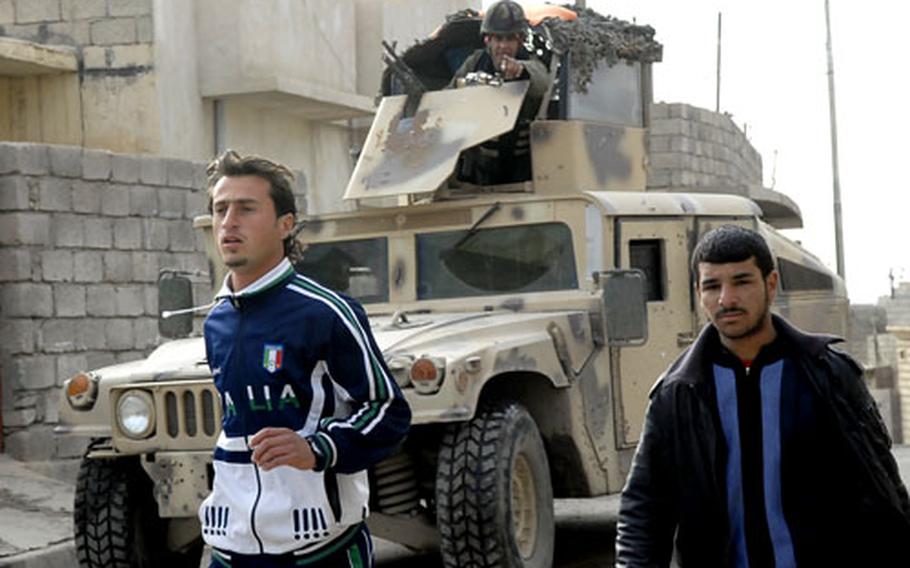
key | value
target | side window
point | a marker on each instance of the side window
(796, 277)
(647, 255)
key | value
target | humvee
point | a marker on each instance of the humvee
(525, 323)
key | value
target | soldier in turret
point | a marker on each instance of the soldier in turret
(507, 158)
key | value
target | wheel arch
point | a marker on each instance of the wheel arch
(549, 406)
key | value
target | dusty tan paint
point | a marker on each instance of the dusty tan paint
(573, 155)
(414, 155)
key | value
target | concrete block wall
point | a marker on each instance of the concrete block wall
(692, 148)
(114, 104)
(83, 234)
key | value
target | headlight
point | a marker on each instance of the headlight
(136, 414)
(81, 390)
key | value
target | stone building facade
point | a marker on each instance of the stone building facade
(83, 235)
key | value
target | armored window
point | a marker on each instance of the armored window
(647, 255)
(507, 260)
(358, 268)
(798, 277)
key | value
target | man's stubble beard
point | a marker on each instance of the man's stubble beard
(755, 328)
(235, 263)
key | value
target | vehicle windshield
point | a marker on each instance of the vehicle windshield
(506, 260)
(358, 268)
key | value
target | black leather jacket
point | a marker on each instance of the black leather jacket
(843, 497)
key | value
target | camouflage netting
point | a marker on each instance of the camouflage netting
(594, 38)
(589, 40)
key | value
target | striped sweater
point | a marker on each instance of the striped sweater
(288, 352)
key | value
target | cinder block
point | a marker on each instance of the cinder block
(18, 335)
(181, 236)
(113, 31)
(118, 334)
(144, 201)
(152, 171)
(130, 7)
(26, 299)
(59, 335)
(69, 364)
(171, 203)
(35, 443)
(23, 157)
(124, 168)
(96, 57)
(96, 164)
(145, 267)
(98, 232)
(55, 194)
(127, 233)
(118, 266)
(151, 301)
(24, 229)
(92, 337)
(680, 110)
(65, 161)
(88, 266)
(32, 11)
(130, 300)
(57, 265)
(659, 110)
(98, 359)
(115, 200)
(145, 332)
(49, 406)
(181, 173)
(83, 9)
(128, 356)
(68, 447)
(23, 398)
(15, 264)
(100, 300)
(136, 55)
(197, 203)
(69, 300)
(669, 127)
(38, 372)
(14, 193)
(155, 234)
(68, 33)
(17, 418)
(145, 31)
(86, 196)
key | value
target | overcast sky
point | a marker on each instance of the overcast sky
(774, 79)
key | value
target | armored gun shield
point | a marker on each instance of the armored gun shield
(416, 154)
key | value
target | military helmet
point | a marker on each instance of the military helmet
(504, 18)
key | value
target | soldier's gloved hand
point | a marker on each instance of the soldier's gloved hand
(510, 68)
(273, 447)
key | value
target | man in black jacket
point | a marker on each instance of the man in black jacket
(761, 444)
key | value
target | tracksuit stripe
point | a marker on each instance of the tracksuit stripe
(373, 367)
(383, 386)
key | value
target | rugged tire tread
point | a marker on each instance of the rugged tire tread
(116, 521)
(472, 500)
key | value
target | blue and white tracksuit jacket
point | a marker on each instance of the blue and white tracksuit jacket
(287, 352)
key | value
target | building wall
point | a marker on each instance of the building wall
(902, 333)
(83, 234)
(695, 148)
(112, 103)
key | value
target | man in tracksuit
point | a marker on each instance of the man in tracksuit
(308, 403)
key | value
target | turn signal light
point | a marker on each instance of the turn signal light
(81, 390)
(427, 374)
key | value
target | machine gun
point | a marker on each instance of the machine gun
(413, 86)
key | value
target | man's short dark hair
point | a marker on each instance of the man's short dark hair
(731, 243)
(231, 164)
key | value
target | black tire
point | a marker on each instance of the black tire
(116, 520)
(488, 468)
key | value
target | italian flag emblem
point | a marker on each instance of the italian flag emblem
(272, 356)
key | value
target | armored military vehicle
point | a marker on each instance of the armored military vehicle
(525, 322)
